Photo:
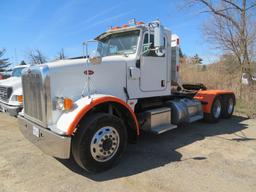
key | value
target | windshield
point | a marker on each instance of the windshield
(119, 43)
(17, 72)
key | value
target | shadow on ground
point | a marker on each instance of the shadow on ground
(153, 151)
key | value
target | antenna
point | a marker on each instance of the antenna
(132, 22)
(15, 56)
(87, 71)
(85, 50)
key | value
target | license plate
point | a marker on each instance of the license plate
(36, 131)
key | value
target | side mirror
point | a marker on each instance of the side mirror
(159, 36)
(95, 57)
(93, 49)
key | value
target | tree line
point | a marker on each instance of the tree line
(35, 57)
(231, 28)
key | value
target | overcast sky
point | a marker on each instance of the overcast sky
(51, 25)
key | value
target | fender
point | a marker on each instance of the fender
(208, 96)
(70, 119)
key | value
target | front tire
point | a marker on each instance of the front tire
(99, 142)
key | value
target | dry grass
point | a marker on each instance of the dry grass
(219, 76)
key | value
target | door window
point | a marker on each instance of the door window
(150, 47)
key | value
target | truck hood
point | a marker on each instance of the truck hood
(14, 82)
(68, 78)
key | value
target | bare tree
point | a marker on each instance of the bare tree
(36, 57)
(197, 60)
(4, 62)
(23, 62)
(232, 27)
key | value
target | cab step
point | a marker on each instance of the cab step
(162, 128)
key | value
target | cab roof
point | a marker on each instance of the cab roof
(123, 28)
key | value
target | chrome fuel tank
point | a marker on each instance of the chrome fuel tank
(185, 110)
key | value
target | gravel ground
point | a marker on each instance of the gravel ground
(200, 157)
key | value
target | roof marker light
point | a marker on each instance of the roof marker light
(125, 25)
(115, 28)
(139, 23)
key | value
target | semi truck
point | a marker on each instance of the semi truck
(88, 109)
(11, 99)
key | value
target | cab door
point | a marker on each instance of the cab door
(153, 67)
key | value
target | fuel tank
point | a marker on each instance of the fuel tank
(185, 110)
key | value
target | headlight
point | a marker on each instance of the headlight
(64, 104)
(18, 98)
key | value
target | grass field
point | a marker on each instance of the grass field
(217, 76)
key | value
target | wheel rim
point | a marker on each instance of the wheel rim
(105, 144)
(230, 105)
(217, 109)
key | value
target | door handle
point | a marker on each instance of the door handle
(138, 63)
(134, 73)
(163, 83)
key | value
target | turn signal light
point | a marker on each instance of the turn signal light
(20, 98)
(68, 104)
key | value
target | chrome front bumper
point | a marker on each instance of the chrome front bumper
(46, 140)
(12, 110)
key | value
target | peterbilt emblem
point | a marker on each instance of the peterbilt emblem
(29, 71)
(88, 72)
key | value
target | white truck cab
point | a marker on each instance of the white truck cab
(90, 107)
(11, 92)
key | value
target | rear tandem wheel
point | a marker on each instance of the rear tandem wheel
(228, 105)
(216, 110)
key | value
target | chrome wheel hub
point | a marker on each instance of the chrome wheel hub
(105, 144)
(230, 105)
(217, 109)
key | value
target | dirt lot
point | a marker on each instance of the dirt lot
(201, 157)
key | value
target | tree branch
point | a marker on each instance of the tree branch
(233, 4)
(213, 10)
(251, 6)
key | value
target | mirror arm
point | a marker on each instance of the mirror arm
(149, 49)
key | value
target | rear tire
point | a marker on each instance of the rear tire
(99, 142)
(228, 105)
(216, 110)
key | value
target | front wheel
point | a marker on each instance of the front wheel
(99, 142)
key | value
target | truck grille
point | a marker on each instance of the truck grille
(5, 93)
(36, 93)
